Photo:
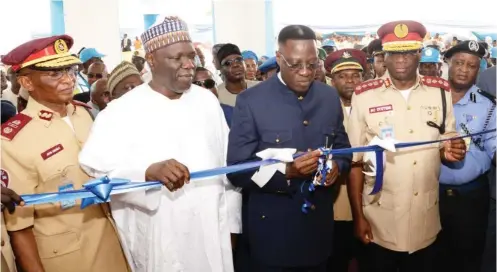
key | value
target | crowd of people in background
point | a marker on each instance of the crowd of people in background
(175, 107)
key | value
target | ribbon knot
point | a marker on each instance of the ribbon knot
(102, 189)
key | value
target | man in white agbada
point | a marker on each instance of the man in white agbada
(163, 130)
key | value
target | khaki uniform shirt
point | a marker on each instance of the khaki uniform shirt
(341, 208)
(8, 261)
(228, 98)
(40, 155)
(404, 216)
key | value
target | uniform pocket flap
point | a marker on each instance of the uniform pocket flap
(382, 199)
(328, 130)
(276, 137)
(58, 244)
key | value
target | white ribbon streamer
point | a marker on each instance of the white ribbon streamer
(370, 157)
(265, 173)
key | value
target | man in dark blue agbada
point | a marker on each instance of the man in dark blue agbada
(289, 110)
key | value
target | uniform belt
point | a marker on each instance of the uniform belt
(455, 190)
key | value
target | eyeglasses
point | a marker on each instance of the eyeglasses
(97, 76)
(238, 60)
(58, 74)
(208, 83)
(300, 66)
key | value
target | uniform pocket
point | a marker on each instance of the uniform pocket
(432, 219)
(433, 116)
(379, 210)
(62, 245)
(276, 139)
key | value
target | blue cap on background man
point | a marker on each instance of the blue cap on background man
(89, 53)
(430, 55)
(329, 43)
(268, 65)
(247, 54)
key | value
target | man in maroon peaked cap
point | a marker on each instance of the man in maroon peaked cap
(346, 68)
(39, 154)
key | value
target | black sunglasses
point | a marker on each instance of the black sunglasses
(208, 83)
(228, 63)
(98, 76)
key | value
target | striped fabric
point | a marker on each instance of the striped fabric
(171, 30)
(122, 71)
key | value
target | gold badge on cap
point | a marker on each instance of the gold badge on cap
(346, 55)
(401, 31)
(60, 46)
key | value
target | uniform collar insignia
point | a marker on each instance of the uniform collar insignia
(472, 97)
(45, 115)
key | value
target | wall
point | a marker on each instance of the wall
(95, 23)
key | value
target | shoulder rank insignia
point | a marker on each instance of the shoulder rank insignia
(487, 95)
(368, 85)
(84, 105)
(14, 125)
(436, 82)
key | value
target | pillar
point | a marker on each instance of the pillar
(149, 20)
(269, 29)
(251, 16)
(57, 17)
(95, 23)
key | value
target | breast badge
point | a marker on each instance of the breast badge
(4, 178)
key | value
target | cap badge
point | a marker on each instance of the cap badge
(473, 46)
(401, 31)
(346, 55)
(428, 53)
(60, 46)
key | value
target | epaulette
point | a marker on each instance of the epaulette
(14, 125)
(487, 95)
(436, 82)
(77, 103)
(368, 85)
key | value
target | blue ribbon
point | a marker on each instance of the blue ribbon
(100, 190)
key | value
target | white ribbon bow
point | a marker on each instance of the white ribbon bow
(265, 173)
(370, 157)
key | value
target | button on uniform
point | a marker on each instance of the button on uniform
(305, 122)
(301, 98)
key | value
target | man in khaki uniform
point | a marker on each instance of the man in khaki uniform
(402, 220)
(345, 67)
(40, 149)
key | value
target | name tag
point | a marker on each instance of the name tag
(381, 109)
(52, 151)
